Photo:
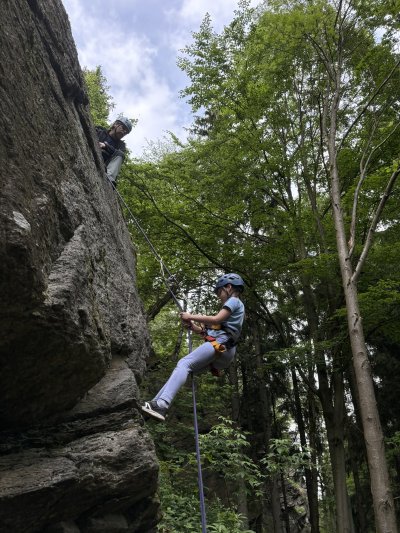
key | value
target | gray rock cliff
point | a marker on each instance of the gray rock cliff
(74, 455)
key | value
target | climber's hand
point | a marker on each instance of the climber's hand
(185, 317)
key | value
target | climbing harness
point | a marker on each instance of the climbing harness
(169, 282)
(218, 347)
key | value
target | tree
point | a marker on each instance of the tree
(373, 111)
(101, 102)
(322, 91)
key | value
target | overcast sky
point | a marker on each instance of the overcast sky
(137, 43)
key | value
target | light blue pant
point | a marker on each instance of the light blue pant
(197, 361)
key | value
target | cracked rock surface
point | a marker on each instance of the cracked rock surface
(74, 455)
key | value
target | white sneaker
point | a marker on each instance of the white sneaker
(152, 409)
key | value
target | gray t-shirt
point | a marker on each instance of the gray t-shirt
(235, 321)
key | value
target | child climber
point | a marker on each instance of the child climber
(221, 333)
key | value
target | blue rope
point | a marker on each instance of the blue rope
(196, 428)
(196, 438)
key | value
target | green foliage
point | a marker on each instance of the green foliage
(179, 498)
(181, 513)
(101, 103)
(224, 450)
(286, 457)
(180, 510)
(393, 444)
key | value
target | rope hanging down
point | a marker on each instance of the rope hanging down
(168, 281)
(163, 266)
(199, 472)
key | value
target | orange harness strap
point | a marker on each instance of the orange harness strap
(218, 347)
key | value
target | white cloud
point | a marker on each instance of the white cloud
(192, 12)
(137, 48)
(128, 63)
(188, 17)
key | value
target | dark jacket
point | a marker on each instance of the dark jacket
(113, 154)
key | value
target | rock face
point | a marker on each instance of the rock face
(74, 454)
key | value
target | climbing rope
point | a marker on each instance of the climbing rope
(199, 472)
(168, 282)
(171, 279)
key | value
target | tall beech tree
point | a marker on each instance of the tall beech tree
(336, 51)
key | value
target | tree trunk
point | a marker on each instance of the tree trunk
(313, 427)
(276, 505)
(265, 421)
(380, 486)
(235, 400)
(357, 457)
(332, 402)
(241, 503)
(333, 411)
(312, 493)
(286, 519)
(360, 515)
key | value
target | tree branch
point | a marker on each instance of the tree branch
(186, 234)
(158, 306)
(374, 223)
(363, 172)
(307, 381)
(321, 52)
(366, 106)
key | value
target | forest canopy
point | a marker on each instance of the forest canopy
(289, 178)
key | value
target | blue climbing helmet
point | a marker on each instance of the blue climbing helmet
(126, 122)
(230, 279)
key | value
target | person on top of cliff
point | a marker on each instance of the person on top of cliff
(113, 147)
(220, 332)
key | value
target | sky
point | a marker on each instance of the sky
(137, 44)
